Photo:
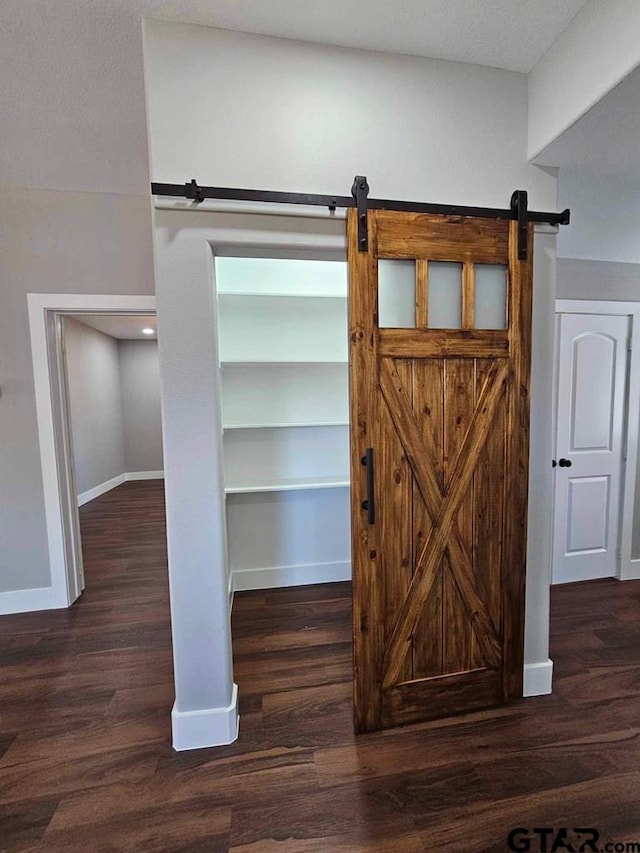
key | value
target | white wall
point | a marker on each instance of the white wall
(237, 110)
(114, 389)
(598, 49)
(95, 403)
(51, 242)
(231, 109)
(141, 419)
(605, 280)
(605, 217)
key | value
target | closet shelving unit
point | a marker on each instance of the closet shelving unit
(282, 327)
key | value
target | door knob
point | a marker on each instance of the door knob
(565, 463)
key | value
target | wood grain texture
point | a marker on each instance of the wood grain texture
(368, 601)
(488, 518)
(459, 408)
(517, 462)
(434, 548)
(468, 295)
(454, 514)
(439, 343)
(422, 294)
(428, 409)
(442, 238)
(420, 449)
(394, 502)
(85, 756)
(441, 695)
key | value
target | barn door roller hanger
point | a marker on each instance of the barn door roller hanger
(359, 198)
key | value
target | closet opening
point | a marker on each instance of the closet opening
(283, 356)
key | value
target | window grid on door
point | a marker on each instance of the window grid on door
(426, 294)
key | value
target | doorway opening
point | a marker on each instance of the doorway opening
(96, 369)
(111, 381)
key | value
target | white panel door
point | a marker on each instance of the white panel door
(592, 380)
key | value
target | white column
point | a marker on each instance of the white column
(538, 667)
(205, 709)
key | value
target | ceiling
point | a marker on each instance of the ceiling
(124, 327)
(72, 95)
(607, 139)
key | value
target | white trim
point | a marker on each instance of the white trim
(537, 678)
(42, 306)
(633, 570)
(627, 571)
(144, 475)
(28, 600)
(281, 576)
(100, 489)
(545, 228)
(596, 306)
(206, 727)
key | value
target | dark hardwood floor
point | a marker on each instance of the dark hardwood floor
(85, 695)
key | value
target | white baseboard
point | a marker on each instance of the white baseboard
(28, 600)
(632, 571)
(208, 727)
(96, 491)
(144, 475)
(270, 578)
(537, 678)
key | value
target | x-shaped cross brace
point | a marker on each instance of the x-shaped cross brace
(442, 506)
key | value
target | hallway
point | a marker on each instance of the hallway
(85, 698)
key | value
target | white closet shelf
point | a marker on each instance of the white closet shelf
(275, 294)
(286, 425)
(319, 362)
(289, 484)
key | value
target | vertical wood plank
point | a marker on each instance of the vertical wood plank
(394, 515)
(468, 295)
(367, 586)
(459, 396)
(422, 294)
(428, 405)
(488, 517)
(517, 462)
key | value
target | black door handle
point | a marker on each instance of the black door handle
(369, 505)
(565, 463)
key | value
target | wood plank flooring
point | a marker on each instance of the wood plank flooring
(85, 696)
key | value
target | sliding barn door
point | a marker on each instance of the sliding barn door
(439, 325)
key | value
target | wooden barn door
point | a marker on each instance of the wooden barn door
(439, 325)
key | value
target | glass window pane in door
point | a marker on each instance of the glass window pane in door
(396, 294)
(445, 295)
(490, 296)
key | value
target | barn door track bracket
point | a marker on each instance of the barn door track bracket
(360, 191)
(359, 199)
